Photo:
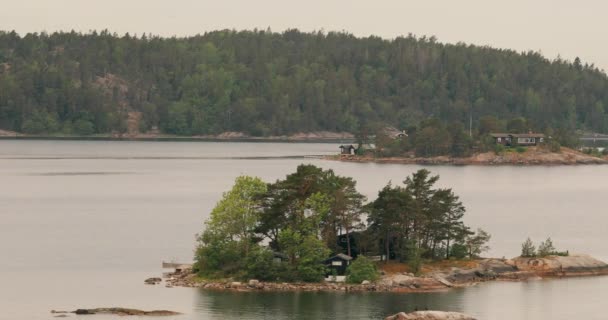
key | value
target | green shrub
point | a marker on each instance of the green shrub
(520, 149)
(260, 265)
(414, 257)
(83, 127)
(554, 146)
(40, 122)
(360, 270)
(459, 251)
(499, 149)
(287, 272)
(217, 259)
(311, 271)
(33, 127)
(306, 254)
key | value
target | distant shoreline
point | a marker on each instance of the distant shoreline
(178, 139)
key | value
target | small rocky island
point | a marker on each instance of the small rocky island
(528, 156)
(306, 233)
(435, 142)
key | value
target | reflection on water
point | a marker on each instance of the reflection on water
(318, 305)
(85, 228)
(558, 299)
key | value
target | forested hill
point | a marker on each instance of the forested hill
(265, 83)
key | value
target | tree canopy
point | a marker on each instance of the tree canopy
(265, 83)
(313, 213)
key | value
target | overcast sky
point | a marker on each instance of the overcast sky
(568, 28)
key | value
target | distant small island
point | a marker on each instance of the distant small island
(528, 156)
(435, 142)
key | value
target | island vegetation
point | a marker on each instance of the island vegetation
(263, 83)
(545, 249)
(285, 230)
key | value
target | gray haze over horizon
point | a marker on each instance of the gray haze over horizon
(552, 27)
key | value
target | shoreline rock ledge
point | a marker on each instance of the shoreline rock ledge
(482, 270)
(430, 315)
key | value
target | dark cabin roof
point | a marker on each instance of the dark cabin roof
(517, 135)
(347, 146)
(499, 135)
(528, 135)
(340, 256)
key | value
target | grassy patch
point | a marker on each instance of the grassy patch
(393, 267)
(428, 266)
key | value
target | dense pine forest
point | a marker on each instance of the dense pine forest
(264, 83)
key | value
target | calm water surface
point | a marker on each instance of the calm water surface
(83, 223)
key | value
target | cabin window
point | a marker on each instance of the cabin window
(336, 263)
(499, 139)
(525, 140)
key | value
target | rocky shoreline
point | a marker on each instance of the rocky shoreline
(532, 156)
(430, 315)
(517, 269)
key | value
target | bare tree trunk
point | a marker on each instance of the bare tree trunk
(387, 248)
(348, 241)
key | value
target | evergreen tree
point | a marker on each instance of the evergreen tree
(546, 248)
(528, 249)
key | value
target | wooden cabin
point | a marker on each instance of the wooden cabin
(278, 257)
(518, 139)
(347, 149)
(339, 263)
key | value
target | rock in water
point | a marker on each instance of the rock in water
(430, 315)
(152, 280)
(121, 312)
(84, 311)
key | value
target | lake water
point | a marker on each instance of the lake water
(83, 223)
